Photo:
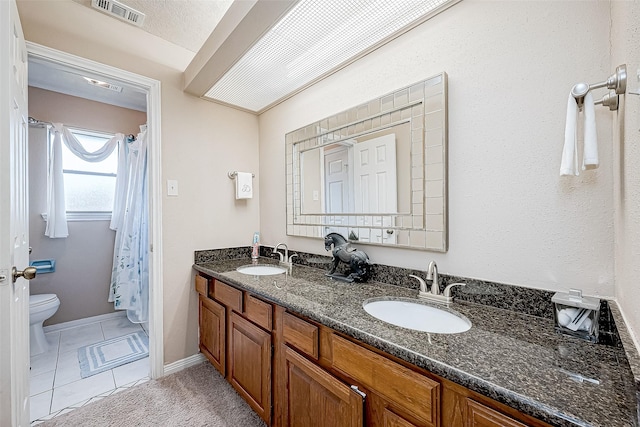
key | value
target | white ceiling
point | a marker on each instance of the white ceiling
(63, 79)
(205, 39)
(186, 23)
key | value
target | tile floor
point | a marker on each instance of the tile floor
(56, 385)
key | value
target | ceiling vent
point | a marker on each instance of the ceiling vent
(120, 11)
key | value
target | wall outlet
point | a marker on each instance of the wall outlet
(172, 187)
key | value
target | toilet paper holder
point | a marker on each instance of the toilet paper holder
(44, 265)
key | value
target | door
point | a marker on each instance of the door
(212, 332)
(337, 189)
(250, 364)
(375, 186)
(314, 398)
(14, 225)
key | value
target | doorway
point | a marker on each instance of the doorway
(151, 89)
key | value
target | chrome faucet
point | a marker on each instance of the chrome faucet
(434, 294)
(285, 259)
(432, 274)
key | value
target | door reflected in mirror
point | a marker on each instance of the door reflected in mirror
(375, 173)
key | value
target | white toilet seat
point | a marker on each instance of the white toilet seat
(42, 299)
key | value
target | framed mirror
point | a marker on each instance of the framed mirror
(376, 173)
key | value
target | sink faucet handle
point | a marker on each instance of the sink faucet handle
(291, 258)
(447, 290)
(423, 284)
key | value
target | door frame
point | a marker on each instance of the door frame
(152, 88)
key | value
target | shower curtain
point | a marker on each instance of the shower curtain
(129, 288)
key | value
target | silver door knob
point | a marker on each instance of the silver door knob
(28, 273)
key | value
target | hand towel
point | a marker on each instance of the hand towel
(569, 164)
(244, 185)
(590, 155)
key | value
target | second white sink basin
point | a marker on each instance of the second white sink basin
(261, 270)
(420, 317)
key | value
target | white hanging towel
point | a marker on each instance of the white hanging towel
(590, 157)
(569, 164)
(244, 185)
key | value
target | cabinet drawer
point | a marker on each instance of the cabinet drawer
(479, 415)
(301, 335)
(259, 312)
(228, 296)
(416, 394)
(201, 285)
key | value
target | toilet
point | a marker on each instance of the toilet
(41, 307)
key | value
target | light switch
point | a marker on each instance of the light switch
(316, 195)
(172, 187)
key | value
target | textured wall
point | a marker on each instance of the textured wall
(626, 49)
(511, 66)
(84, 259)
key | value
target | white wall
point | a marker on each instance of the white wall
(201, 142)
(626, 49)
(511, 66)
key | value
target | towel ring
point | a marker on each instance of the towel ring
(617, 82)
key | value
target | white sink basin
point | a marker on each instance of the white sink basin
(261, 270)
(420, 317)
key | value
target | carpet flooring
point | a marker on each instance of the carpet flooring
(196, 396)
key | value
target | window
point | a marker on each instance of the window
(89, 187)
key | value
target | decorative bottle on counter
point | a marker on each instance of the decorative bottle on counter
(255, 247)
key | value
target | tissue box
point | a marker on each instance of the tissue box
(576, 315)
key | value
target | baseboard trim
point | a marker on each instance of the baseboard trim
(187, 362)
(86, 321)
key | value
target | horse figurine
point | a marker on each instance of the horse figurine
(342, 251)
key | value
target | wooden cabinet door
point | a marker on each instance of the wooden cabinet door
(314, 398)
(250, 364)
(212, 332)
(381, 412)
(391, 419)
(479, 415)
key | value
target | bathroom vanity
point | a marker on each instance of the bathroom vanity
(301, 350)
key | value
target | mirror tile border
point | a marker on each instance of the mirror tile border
(424, 105)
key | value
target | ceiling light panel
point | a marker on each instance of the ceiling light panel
(315, 37)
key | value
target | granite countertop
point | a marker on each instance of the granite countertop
(514, 358)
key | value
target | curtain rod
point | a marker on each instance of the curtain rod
(36, 122)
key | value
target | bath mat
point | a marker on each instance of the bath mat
(111, 353)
